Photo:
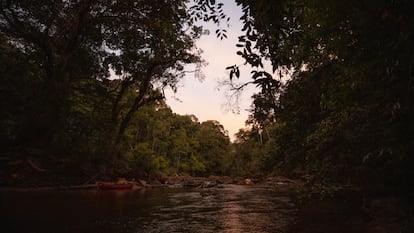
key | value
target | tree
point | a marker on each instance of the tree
(145, 43)
(249, 153)
(83, 70)
(342, 116)
(214, 147)
(20, 84)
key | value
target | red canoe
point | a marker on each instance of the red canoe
(114, 186)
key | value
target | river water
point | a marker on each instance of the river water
(233, 208)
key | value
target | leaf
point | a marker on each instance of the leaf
(256, 75)
(248, 46)
(237, 72)
(245, 27)
(269, 76)
(252, 37)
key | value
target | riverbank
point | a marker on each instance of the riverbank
(159, 182)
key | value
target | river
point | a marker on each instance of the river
(233, 208)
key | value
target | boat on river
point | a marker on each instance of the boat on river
(106, 186)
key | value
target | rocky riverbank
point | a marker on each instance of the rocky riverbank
(211, 181)
(152, 182)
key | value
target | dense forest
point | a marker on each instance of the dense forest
(82, 91)
(338, 109)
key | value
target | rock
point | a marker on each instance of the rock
(143, 183)
(280, 180)
(221, 179)
(248, 182)
(208, 184)
(238, 180)
(220, 186)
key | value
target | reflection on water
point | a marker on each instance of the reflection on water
(230, 209)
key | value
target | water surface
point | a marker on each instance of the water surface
(233, 208)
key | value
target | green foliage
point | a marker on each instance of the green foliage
(143, 158)
(345, 114)
(248, 155)
(83, 83)
(159, 140)
(145, 44)
(214, 147)
(19, 90)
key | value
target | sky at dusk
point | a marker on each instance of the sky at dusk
(208, 100)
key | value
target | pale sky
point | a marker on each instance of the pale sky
(207, 100)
